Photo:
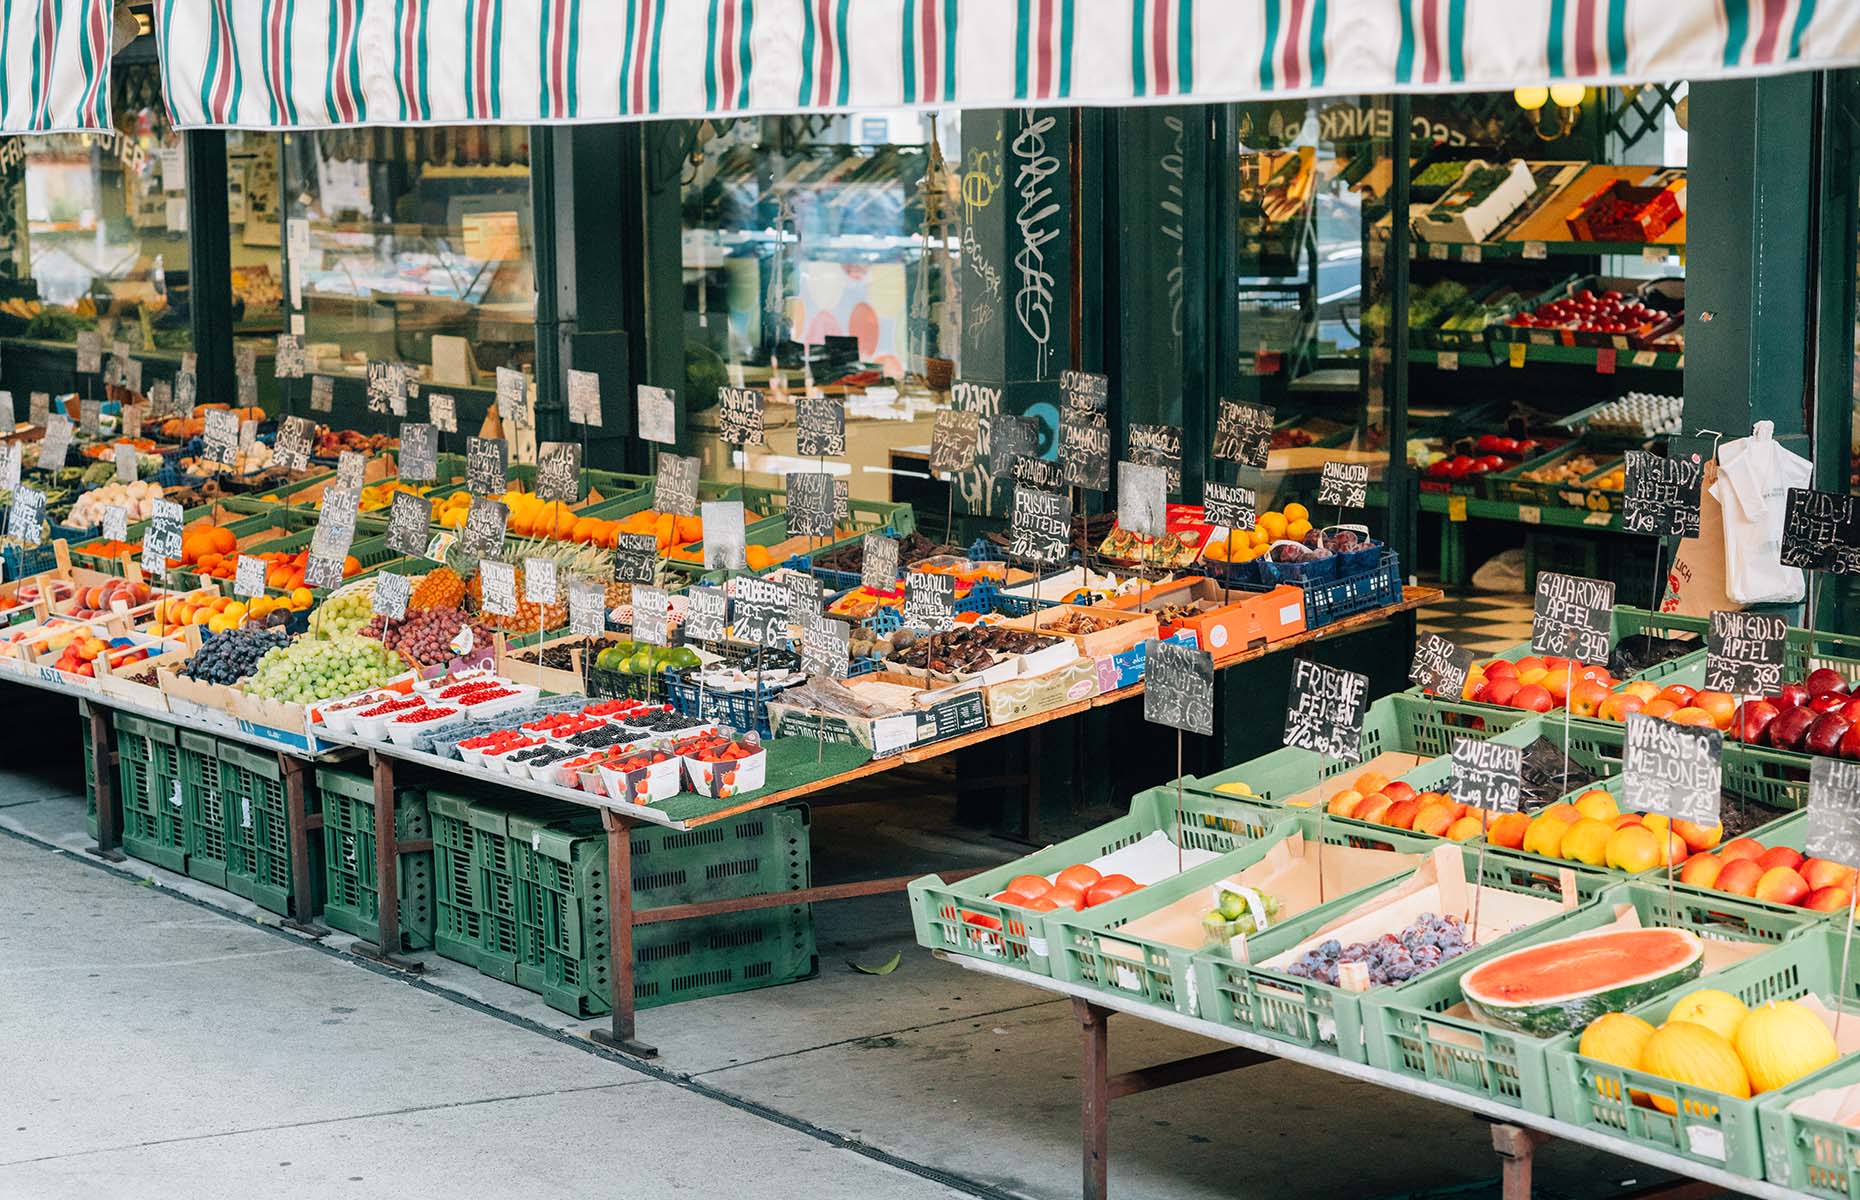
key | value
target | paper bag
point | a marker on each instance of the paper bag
(1695, 585)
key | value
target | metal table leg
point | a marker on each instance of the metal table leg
(387, 947)
(103, 767)
(296, 791)
(621, 1034)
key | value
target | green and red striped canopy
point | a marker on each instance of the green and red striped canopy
(54, 65)
(315, 63)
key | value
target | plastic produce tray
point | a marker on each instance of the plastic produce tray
(148, 758)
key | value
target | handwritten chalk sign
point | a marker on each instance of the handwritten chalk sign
(1243, 433)
(804, 596)
(127, 460)
(1229, 506)
(761, 613)
(1155, 446)
(820, 426)
(321, 573)
(1440, 666)
(658, 414)
(1143, 499)
(675, 486)
(38, 408)
(929, 601)
(410, 519)
(587, 608)
(10, 456)
(810, 504)
(1572, 617)
(187, 388)
(1083, 391)
(90, 419)
(115, 523)
(1040, 473)
(222, 436)
(245, 366)
(1833, 831)
(119, 362)
(1178, 686)
(322, 393)
(1487, 775)
(1673, 770)
(878, 566)
(636, 558)
(7, 422)
(161, 537)
(248, 437)
(132, 375)
(288, 360)
(1821, 531)
(1040, 526)
(1085, 450)
(381, 385)
(1345, 485)
(539, 581)
(296, 435)
(497, 582)
(954, 440)
(558, 472)
(826, 646)
(390, 596)
(56, 443)
(651, 616)
(584, 398)
(707, 614)
(512, 398)
(443, 411)
(335, 522)
(161, 399)
(25, 520)
(842, 501)
(1660, 496)
(89, 352)
(739, 416)
(351, 466)
(1324, 710)
(1744, 653)
(419, 452)
(725, 548)
(249, 576)
(485, 521)
(487, 465)
(1009, 439)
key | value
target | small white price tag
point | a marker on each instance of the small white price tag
(1599, 518)
(1530, 514)
(1448, 360)
(1654, 254)
(1438, 251)
(1645, 358)
(1472, 252)
(1536, 250)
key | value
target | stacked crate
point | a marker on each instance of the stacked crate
(351, 891)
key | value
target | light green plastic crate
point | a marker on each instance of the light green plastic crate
(1814, 1156)
(148, 766)
(210, 838)
(258, 860)
(1790, 831)
(1412, 1030)
(351, 888)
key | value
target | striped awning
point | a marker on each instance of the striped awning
(316, 63)
(54, 65)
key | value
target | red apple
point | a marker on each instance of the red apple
(1824, 736)
(1740, 876)
(1534, 697)
(1793, 695)
(1825, 680)
(1850, 744)
(1787, 731)
(1829, 899)
(1779, 856)
(1828, 702)
(1753, 717)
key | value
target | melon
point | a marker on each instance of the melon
(1617, 1039)
(1695, 1056)
(1781, 1042)
(1555, 987)
(1718, 1011)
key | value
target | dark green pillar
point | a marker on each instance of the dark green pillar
(210, 265)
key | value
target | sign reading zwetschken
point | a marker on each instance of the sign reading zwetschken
(1673, 770)
(1572, 617)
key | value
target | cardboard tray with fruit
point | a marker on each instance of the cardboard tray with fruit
(914, 712)
(1096, 630)
(1224, 622)
(1599, 310)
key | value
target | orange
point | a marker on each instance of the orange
(1370, 781)
(757, 557)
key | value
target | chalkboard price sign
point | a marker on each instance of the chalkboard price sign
(382, 384)
(739, 416)
(26, 519)
(1821, 531)
(55, 444)
(89, 353)
(558, 472)
(651, 616)
(161, 399)
(803, 596)
(292, 449)
(636, 558)
(1243, 433)
(391, 593)
(587, 608)
(10, 467)
(1040, 527)
(127, 461)
(498, 581)
(1085, 449)
(90, 418)
(1157, 446)
(539, 581)
(1833, 831)
(119, 362)
(245, 361)
(288, 360)
(658, 414)
(115, 523)
(826, 646)
(512, 398)
(584, 399)
(761, 613)
(7, 421)
(1178, 686)
(810, 505)
(954, 439)
(1345, 485)
(724, 545)
(1660, 496)
(878, 569)
(485, 521)
(161, 537)
(675, 487)
(1009, 438)
(322, 573)
(1230, 506)
(1082, 391)
(1040, 473)
(410, 518)
(443, 411)
(1142, 499)
(820, 426)
(222, 436)
(1744, 653)
(187, 390)
(132, 375)
(350, 467)
(335, 522)
(1324, 712)
(322, 393)
(707, 614)
(929, 601)
(1487, 775)
(1572, 617)
(38, 408)
(1673, 770)
(419, 452)
(487, 463)
(1440, 667)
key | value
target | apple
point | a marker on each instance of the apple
(1753, 717)
(1781, 885)
(1824, 736)
(1828, 702)
(1829, 899)
(1701, 870)
(1850, 744)
(1820, 873)
(1852, 709)
(1500, 690)
(1742, 847)
(1740, 877)
(1793, 695)
(1779, 856)
(1534, 697)
(1788, 730)
(1825, 681)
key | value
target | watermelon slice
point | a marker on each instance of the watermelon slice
(1554, 987)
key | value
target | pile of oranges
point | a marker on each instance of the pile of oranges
(1289, 524)
(553, 520)
(216, 613)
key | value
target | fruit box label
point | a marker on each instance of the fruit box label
(1661, 495)
(1572, 616)
(1440, 667)
(1833, 829)
(1673, 770)
(1744, 653)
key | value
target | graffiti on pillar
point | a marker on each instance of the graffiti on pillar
(1039, 220)
(974, 486)
(1171, 225)
(981, 179)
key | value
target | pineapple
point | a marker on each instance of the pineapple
(570, 559)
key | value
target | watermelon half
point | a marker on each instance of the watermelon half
(1554, 987)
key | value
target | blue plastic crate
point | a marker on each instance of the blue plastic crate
(742, 711)
(21, 561)
(1327, 603)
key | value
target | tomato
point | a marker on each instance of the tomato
(1079, 874)
(1070, 895)
(1110, 888)
(1040, 904)
(1027, 886)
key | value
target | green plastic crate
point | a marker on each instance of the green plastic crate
(90, 772)
(458, 929)
(351, 889)
(1160, 973)
(1709, 1127)
(205, 800)
(258, 858)
(1790, 831)
(1775, 777)
(148, 766)
(1411, 1029)
(1813, 1156)
(1321, 1017)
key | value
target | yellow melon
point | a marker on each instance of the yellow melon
(1698, 1057)
(1618, 1039)
(1781, 1042)
(1718, 1011)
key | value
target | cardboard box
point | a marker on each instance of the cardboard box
(1126, 628)
(940, 711)
(117, 685)
(1447, 221)
(1125, 668)
(1227, 622)
(1018, 698)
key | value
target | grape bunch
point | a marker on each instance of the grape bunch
(317, 670)
(340, 616)
(426, 635)
(1391, 958)
(230, 656)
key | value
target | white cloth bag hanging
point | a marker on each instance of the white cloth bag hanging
(1754, 478)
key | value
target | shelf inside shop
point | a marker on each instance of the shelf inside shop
(1498, 354)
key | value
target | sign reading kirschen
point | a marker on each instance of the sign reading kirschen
(1572, 617)
(878, 569)
(724, 545)
(929, 601)
(658, 414)
(1143, 499)
(391, 594)
(1488, 775)
(1744, 653)
(707, 615)
(1673, 770)
(1833, 810)
(1324, 711)
(1439, 666)
(1660, 496)
(636, 558)
(584, 398)
(1178, 686)
(1230, 506)
(1345, 485)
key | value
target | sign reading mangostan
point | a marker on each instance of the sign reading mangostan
(1744, 653)
(1673, 770)
(1660, 496)
(1324, 711)
(1487, 775)
(1178, 686)
(1440, 667)
(1833, 830)
(1572, 617)
(1230, 506)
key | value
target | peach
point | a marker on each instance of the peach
(1370, 781)
(1373, 808)
(1508, 830)
(1701, 870)
(1557, 683)
(1626, 819)
(1465, 829)
(1562, 812)
(1435, 819)
(1642, 689)
(1343, 804)
(1401, 814)
(1779, 856)
(1740, 876)
(1742, 847)
(1659, 707)
(1819, 873)
(1500, 668)
(1721, 705)
(1829, 899)
(1618, 706)
(1781, 885)
(1397, 790)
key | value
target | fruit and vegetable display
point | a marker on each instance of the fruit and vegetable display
(1639, 415)
(102, 599)
(1490, 452)
(82, 652)
(1819, 714)
(1393, 958)
(426, 634)
(1775, 874)
(968, 650)
(913, 548)
(307, 670)
(1711, 1040)
(137, 500)
(1586, 311)
(232, 654)
(1571, 469)
(1291, 523)
(330, 443)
